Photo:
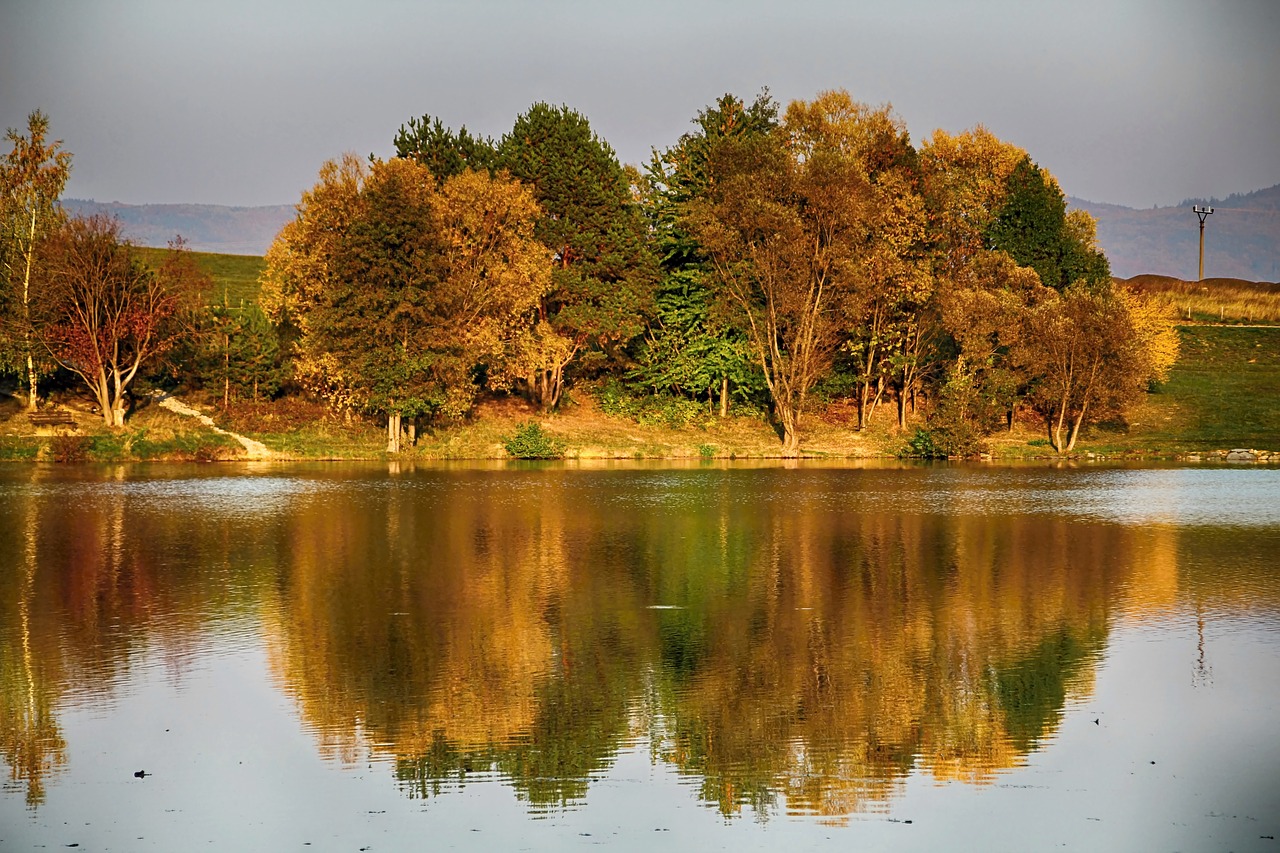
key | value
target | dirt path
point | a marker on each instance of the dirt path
(255, 449)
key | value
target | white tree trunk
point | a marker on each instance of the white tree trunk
(393, 432)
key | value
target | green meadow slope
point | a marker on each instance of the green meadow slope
(235, 277)
(1223, 393)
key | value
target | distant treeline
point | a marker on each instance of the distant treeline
(767, 258)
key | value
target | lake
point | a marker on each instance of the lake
(699, 657)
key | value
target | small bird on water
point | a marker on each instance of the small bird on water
(142, 774)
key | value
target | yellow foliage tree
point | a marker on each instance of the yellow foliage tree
(398, 286)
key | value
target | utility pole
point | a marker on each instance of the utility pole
(1201, 213)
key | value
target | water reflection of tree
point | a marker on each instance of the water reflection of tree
(450, 633)
(861, 647)
(815, 654)
(96, 579)
(473, 624)
(30, 740)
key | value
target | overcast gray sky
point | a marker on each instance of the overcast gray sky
(1134, 102)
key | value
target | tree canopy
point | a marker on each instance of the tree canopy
(770, 256)
(32, 177)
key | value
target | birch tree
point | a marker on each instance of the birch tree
(1091, 353)
(32, 177)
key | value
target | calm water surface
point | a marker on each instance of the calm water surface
(695, 658)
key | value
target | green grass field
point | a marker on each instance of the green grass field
(1223, 393)
(235, 277)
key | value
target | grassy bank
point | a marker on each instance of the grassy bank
(1223, 393)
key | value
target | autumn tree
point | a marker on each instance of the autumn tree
(784, 222)
(964, 180)
(981, 312)
(401, 289)
(1091, 352)
(299, 271)
(602, 268)
(32, 177)
(101, 313)
(888, 324)
(496, 271)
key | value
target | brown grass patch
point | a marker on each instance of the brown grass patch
(1223, 300)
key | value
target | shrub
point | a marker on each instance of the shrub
(69, 448)
(922, 446)
(531, 441)
(614, 400)
(672, 412)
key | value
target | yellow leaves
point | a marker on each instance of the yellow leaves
(980, 320)
(978, 155)
(494, 263)
(299, 259)
(1154, 331)
(988, 270)
(965, 176)
(479, 271)
(1081, 226)
(411, 183)
(530, 351)
(833, 121)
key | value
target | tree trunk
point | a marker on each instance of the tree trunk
(902, 408)
(875, 401)
(226, 367)
(110, 407)
(864, 388)
(393, 432)
(790, 421)
(724, 396)
(33, 390)
(1056, 423)
(1075, 428)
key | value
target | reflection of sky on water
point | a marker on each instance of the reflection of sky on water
(1243, 498)
(1237, 497)
(223, 496)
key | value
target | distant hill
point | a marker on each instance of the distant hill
(205, 227)
(1241, 237)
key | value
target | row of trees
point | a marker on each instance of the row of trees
(767, 256)
(763, 253)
